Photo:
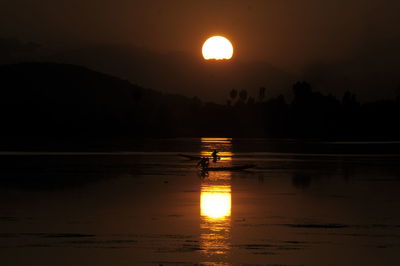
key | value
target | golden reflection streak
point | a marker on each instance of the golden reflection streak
(215, 211)
(224, 155)
(222, 145)
(216, 201)
(216, 140)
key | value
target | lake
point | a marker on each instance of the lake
(317, 203)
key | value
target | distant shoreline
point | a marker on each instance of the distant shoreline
(171, 146)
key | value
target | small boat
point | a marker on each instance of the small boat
(232, 168)
(190, 157)
(197, 158)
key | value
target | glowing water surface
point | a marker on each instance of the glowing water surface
(216, 202)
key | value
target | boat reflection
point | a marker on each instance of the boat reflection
(216, 203)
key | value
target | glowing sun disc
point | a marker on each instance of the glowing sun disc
(218, 48)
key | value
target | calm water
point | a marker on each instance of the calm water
(153, 207)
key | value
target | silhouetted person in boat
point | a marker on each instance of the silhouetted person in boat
(215, 156)
(203, 163)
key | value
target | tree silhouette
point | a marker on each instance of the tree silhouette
(261, 93)
(29, 106)
(251, 101)
(302, 91)
(233, 94)
(243, 95)
(349, 99)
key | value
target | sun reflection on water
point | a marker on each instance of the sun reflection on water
(222, 145)
(216, 203)
(215, 211)
(216, 140)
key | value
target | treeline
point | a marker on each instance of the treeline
(309, 115)
(313, 115)
(56, 100)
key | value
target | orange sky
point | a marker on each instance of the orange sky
(287, 33)
(310, 38)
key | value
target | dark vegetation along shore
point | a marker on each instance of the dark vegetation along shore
(68, 101)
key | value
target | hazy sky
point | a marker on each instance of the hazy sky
(285, 32)
(295, 35)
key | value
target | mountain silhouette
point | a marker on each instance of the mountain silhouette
(49, 99)
(52, 100)
(178, 72)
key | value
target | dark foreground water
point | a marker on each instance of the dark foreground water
(153, 207)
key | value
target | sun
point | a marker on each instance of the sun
(217, 48)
